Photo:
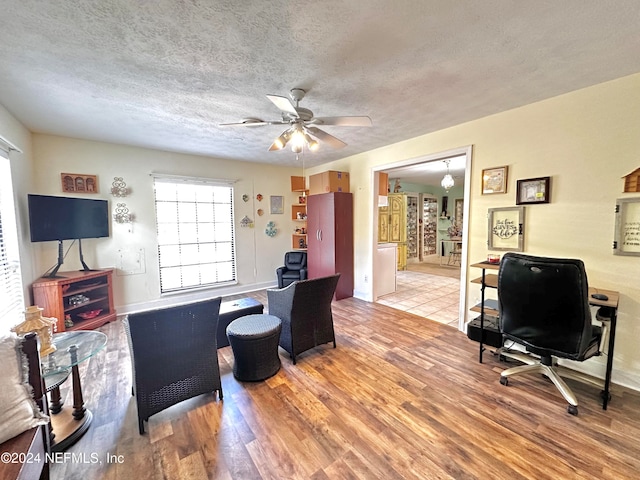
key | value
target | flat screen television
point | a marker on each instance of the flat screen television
(66, 218)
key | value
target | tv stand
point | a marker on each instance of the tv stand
(85, 299)
(60, 262)
(85, 267)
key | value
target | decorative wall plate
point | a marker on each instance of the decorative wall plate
(245, 198)
(260, 212)
(259, 197)
(271, 229)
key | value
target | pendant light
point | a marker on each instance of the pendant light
(447, 181)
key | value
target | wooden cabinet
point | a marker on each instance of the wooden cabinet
(330, 239)
(398, 223)
(299, 213)
(77, 296)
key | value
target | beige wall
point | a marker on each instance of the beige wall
(586, 141)
(258, 255)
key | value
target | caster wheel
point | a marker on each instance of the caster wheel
(572, 409)
(504, 380)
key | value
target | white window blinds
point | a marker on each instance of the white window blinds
(196, 244)
(11, 297)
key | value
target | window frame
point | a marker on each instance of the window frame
(11, 290)
(196, 231)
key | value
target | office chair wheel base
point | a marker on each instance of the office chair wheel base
(572, 409)
(504, 380)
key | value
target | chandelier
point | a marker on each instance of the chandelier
(447, 181)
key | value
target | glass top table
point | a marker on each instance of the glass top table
(72, 348)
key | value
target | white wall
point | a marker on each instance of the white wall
(586, 141)
(258, 255)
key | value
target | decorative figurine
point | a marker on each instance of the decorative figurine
(43, 326)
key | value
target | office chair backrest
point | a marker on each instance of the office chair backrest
(543, 304)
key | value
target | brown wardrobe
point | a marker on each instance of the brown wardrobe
(330, 239)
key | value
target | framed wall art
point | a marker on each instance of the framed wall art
(276, 204)
(627, 233)
(533, 190)
(506, 229)
(79, 183)
(494, 180)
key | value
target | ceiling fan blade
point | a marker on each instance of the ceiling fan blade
(343, 121)
(283, 104)
(325, 137)
(251, 122)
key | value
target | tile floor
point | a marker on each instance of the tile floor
(431, 296)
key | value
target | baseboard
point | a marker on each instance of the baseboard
(179, 299)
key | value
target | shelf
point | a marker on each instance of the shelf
(490, 280)
(490, 307)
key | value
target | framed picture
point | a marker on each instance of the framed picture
(533, 190)
(276, 204)
(506, 229)
(627, 233)
(79, 183)
(494, 180)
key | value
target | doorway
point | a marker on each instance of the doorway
(430, 273)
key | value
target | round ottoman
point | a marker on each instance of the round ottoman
(254, 341)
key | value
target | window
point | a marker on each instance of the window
(11, 298)
(196, 245)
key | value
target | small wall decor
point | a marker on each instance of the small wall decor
(246, 222)
(122, 214)
(533, 190)
(271, 229)
(259, 197)
(632, 181)
(627, 233)
(245, 198)
(494, 180)
(302, 199)
(79, 183)
(506, 229)
(260, 212)
(276, 204)
(119, 187)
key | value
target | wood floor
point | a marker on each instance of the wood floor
(401, 397)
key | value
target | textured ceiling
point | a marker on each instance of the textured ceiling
(165, 73)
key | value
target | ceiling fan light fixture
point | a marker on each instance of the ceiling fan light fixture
(280, 142)
(312, 144)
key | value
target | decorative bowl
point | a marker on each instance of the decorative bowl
(90, 314)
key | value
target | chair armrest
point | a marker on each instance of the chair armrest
(303, 273)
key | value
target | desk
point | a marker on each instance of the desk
(491, 280)
(72, 348)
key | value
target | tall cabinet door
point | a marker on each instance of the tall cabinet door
(330, 238)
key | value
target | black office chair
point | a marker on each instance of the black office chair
(544, 306)
(295, 268)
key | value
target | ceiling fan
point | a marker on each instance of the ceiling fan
(302, 130)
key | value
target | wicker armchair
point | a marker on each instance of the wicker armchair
(174, 355)
(305, 310)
